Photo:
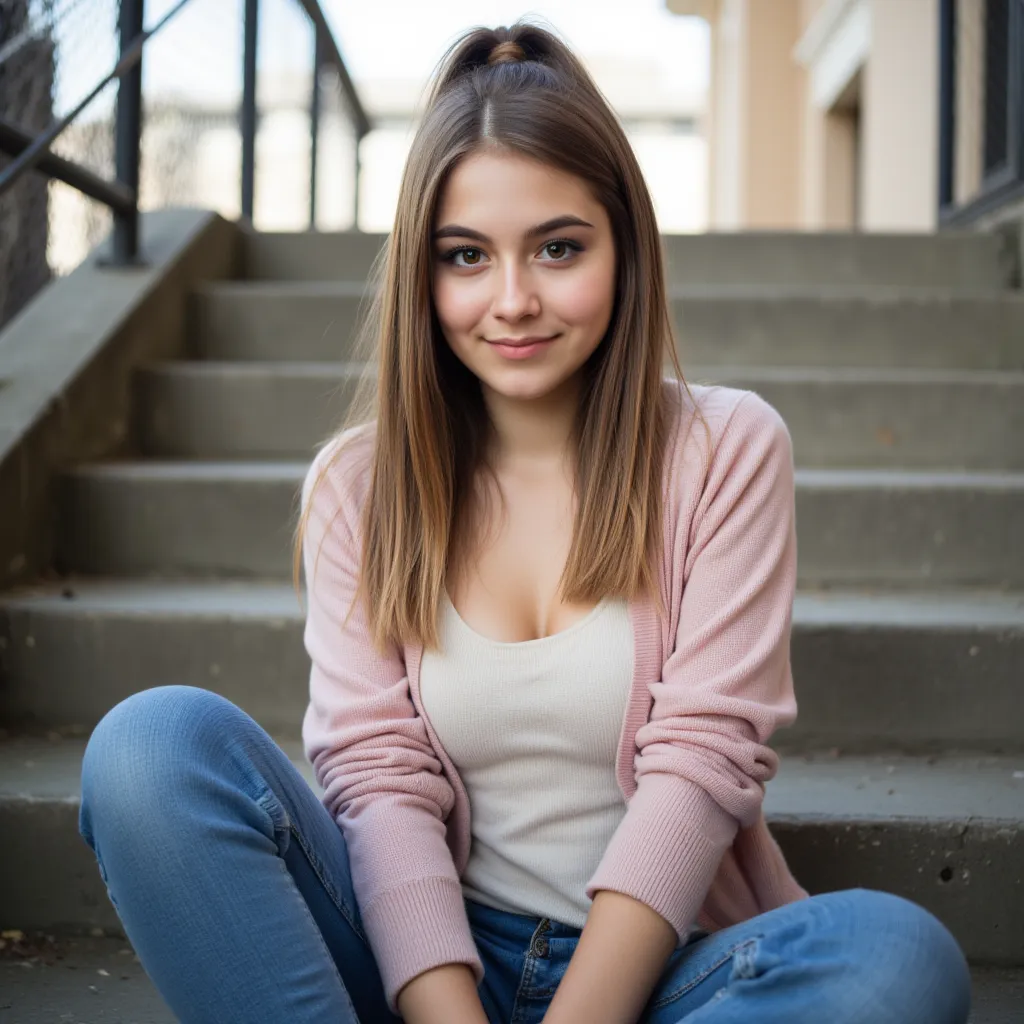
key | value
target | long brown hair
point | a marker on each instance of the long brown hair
(522, 90)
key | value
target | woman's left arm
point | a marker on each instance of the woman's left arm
(618, 960)
(703, 757)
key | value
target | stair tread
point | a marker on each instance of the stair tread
(915, 479)
(317, 370)
(356, 289)
(957, 788)
(71, 988)
(193, 598)
(293, 470)
(257, 470)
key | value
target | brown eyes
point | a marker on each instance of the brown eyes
(558, 251)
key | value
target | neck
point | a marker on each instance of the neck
(533, 432)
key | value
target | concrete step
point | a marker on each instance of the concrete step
(79, 979)
(717, 325)
(918, 672)
(947, 832)
(82, 979)
(895, 418)
(950, 259)
(862, 527)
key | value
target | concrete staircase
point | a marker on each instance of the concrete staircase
(898, 363)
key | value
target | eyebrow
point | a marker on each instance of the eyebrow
(565, 221)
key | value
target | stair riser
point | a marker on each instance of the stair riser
(859, 688)
(956, 261)
(867, 688)
(920, 425)
(980, 903)
(865, 536)
(114, 525)
(713, 330)
(49, 878)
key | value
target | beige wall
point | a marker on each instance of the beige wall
(753, 120)
(774, 97)
(823, 113)
(900, 107)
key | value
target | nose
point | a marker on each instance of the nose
(516, 295)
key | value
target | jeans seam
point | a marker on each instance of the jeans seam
(710, 969)
(323, 945)
(273, 808)
(318, 870)
(519, 1012)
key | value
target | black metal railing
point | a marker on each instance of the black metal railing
(981, 107)
(31, 152)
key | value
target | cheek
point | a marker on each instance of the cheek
(585, 298)
(459, 306)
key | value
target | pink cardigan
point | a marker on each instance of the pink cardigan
(708, 690)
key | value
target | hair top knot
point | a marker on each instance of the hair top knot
(506, 52)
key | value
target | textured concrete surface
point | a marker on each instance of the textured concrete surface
(93, 980)
(838, 417)
(67, 360)
(955, 259)
(898, 364)
(923, 671)
(947, 832)
(743, 325)
(858, 527)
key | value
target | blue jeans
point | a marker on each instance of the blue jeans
(232, 883)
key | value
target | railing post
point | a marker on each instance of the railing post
(314, 122)
(251, 35)
(355, 184)
(128, 133)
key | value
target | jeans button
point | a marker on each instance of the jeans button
(540, 947)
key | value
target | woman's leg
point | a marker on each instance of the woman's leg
(229, 876)
(851, 957)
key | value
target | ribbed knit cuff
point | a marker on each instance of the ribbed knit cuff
(667, 849)
(416, 927)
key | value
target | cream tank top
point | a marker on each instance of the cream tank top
(533, 730)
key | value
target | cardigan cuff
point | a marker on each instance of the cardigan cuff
(667, 849)
(416, 927)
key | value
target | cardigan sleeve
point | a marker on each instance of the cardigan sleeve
(382, 783)
(703, 758)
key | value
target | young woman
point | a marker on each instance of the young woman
(550, 592)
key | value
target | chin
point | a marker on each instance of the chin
(524, 384)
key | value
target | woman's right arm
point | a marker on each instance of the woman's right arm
(444, 995)
(383, 784)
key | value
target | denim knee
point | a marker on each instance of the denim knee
(909, 950)
(133, 753)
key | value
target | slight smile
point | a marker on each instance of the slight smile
(520, 348)
(519, 342)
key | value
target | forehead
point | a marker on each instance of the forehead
(496, 190)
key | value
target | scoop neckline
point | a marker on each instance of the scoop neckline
(576, 626)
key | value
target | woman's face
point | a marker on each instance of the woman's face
(522, 252)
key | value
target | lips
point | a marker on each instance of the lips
(519, 342)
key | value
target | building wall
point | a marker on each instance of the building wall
(753, 119)
(774, 97)
(823, 113)
(900, 103)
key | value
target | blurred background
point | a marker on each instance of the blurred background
(745, 114)
(652, 64)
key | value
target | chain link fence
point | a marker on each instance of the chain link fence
(54, 52)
